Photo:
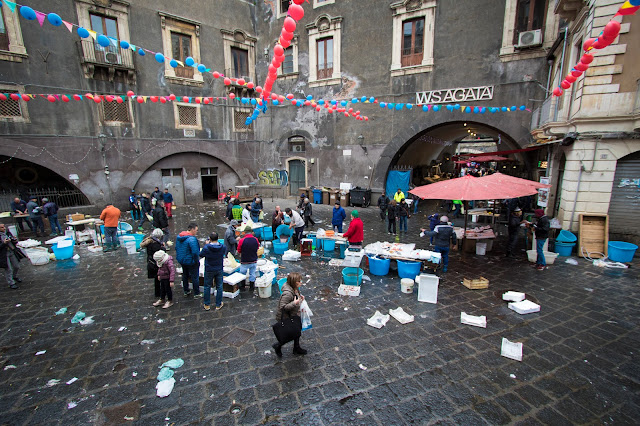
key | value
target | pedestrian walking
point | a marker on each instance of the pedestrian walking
(145, 209)
(166, 275)
(415, 202)
(133, 206)
(213, 253)
(230, 241)
(110, 216)
(289, 308)
(188, 256)
(50, 210)
(457, 209)
(156, 196)
(168, 202)
(35, 215)
(383, 203)
(355, 232)
(541, 229)
(229, 212)
(339, 215)
(297, 224)
(248, 249)
(10, 256)
(444, 236)
(513, 228)
(153, 243)
(160, 220)
(392, 214)
(307, 213)
(403, 214)
(19, 207)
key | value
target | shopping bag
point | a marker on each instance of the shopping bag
(288, 328)
(304, 306)
(261, 215)
(306, 320)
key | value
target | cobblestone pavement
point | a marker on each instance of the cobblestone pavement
(580, 352)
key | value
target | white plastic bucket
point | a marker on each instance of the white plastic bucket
(264, 292)
(131, 247)
(406, 285)
(481, 249)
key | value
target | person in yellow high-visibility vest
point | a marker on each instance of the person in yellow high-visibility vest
(398, 196)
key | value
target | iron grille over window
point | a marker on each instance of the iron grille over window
(239, 118)
(10, 108)
(113, 111)
(187, 115)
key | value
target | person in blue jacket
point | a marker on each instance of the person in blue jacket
(339, 216)
(213, 253)
(188, 255)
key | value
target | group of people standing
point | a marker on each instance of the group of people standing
(395, 210)
(36, 212)
(142, 206)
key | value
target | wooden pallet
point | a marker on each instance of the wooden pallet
(477, 284)
(594, 235)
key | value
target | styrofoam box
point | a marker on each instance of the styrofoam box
(524, 307)
(234, 278)
(349, 290)
(428, 288)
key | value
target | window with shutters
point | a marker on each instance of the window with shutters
(240, 116)
(181, 50)
(413, 35)
(325, 58)
(187, 116)
(4, 36)
(13, 110)
(11, 43)
(181, 40)
(114, 113)
(289, 68)
(325, 36)
(239, 54)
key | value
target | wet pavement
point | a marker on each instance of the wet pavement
(580, 361)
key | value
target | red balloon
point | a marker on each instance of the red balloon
(612, 29)
(588, 43)
(350, 109)
(570, 78)
(318, 108)
(65, 98)
(140, 99)
(185, 99)
(605, 41)
(130, 93)
(154, 99)
(598, 44)
(289, 24)
(241, 81)
(216, 74)
(14, 97)
(172, 97)
(293, 102)
(357, 112)
(557, 91)
(366, 118)
(272, 69)
(76, 97)
(97, 99)
(281, 98)
(346, 114)
(290, 96)
(227, 81)
(286, 35)
(274, 96)
(232, 95)
(298, 1)
(206, 101)
(278, 50)
(3, 97)
(109, 98)
(25, 98)
(581, 67)
(284, 42)
(330, 111)
(250, 85)
(307, 103)
(51, 98)
(163, 100)
(258, 89)
(88, 95)
(197, 100)
(576, 73)
(586, 58)
(565, 84)
(119, 100)
(296, 12)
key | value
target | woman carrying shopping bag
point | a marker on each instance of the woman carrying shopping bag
(288, 324)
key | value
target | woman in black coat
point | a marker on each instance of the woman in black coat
(153, 244)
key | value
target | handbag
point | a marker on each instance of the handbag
(287, 329)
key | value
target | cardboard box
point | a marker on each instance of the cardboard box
(76, 216)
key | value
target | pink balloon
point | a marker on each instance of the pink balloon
(565, 84)
(612, 29)
(289, 24)
(286, 35)
(296, 12)
(278, 50)
(284, 43)
(557, 91)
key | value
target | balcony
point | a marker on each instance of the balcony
(111, 62)
(568, 9)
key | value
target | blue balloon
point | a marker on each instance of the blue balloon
(523, 107)
(513, 108)
(450, 107)
(124, 44)
(372, 99)
(173, 63)
(343, 103)
(103, 40)
(436, 108)
(141, 51)
(483, 110)
(27, 13)
(399, 106)
(299, 103)
(321, 102)
(309, 97)
(493, 110)
(391, 105)
(82, 32)
(363, 99)
(189, 61)
(409, 106)
(247, 121)
(202, 68)
(476, 110)
(276, 102)
(354, 101)
(456, 106)
(334, 102)
(383, 104)
(504, 109)
(426, 108)
(253, 101)
(160, 57)
(54, 19)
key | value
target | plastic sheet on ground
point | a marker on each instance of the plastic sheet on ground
(400, 315)
(174, 363)
(165, 387)
(61, 311)
(571, 261)
(165, 374)
(291, 255)
(77, 317)
(87, 320)
(378, 320)
(28, 243)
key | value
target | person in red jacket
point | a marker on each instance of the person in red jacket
(355, 233)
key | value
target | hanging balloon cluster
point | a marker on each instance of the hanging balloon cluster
(604, 39)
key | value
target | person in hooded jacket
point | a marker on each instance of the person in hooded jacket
(213, 253)
(188, 255)
(443, 236)
(160, 220)
(383, 202)
(230, 240)
(145, 208)
(339, 215)
(153, 243)
(289, 306)
(166, 275)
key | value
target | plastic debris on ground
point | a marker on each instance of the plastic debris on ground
(476, 321)
(513, 296)
(87, 321)
(174, 363)
(362, 367)
(61, 311)
(291, 255)
(29, 243)
(76, 257)
(9, 367)
(512, 350)
(349, 290)
(366, 278)
(571, 261)
(359, 412)
(165, 387)
(148, 342)
(378, 320)
(400, 315)
(77, 317)
(72, 380)
(52, 383)
(165, 374)
(335, 262)
(524, 307)
(41, 352)
(122, 328)
(513, 376)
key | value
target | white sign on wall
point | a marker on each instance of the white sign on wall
(459, 94)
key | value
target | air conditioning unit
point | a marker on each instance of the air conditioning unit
(529, 38)
(297, 148)
(113, 58)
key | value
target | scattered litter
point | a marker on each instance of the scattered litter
(9, 367)
(165, 387)
(18, 305)
(513, 376)
(335, 348)
(122, 328)
(178, 270)
(588, 289)
(291, 255)
(167, 418)
(95, 341)
(524, 307)
(511, 350)
(346, 309)
(267, 352)
(571, 261)
(72, 380)
(359, 412)
(476, 321)
(134, 374)
(423, 316)
(335, 262)
(349, 290)
(174, 363)
(366, 278)
(122, 267)
(148, 342)
(128, 418)
(61, 311)
(29, 243)
(144, 318)
(184, 379)
(76, 257)
(41, 352)
(87, 320)
(52, 383)
(400, 315)
(378, 320)
(362, 367)
(165, 374)
(513, 296)
(160, 321)
(77, 317)
(71, 405)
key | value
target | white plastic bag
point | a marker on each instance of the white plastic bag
(165, 387)
(306, 320)
(304, 306)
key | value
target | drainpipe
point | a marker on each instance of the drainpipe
(575, 201)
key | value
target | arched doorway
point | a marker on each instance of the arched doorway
(24, 179)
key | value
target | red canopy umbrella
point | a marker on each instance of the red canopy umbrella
(502, 179)
(487, 158)
(469, 188)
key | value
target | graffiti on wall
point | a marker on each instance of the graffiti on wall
(273, 177)
(629, 182)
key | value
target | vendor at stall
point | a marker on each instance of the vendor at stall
(443, 236)
(355, 233)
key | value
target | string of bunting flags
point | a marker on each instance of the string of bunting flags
(604, 39)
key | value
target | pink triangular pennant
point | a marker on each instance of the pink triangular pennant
(40, 17)
(69, 26)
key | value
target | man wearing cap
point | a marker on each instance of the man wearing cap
(355, 233)
(541, 229)
(51, 212)
(443, 236)
(248, 249)
(133, 206)
(514, 228)
(230, 241)
(339, 215)
(35, 214)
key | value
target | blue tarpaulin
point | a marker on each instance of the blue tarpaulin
(398, 179)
